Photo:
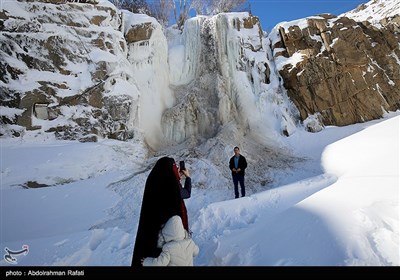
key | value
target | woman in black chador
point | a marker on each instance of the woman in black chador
(162, 198)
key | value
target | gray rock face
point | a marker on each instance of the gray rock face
(70, 94)
(349, 71)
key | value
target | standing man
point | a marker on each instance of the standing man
(237, 164)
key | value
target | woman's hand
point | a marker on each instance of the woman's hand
(186, 172)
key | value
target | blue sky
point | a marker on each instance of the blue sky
(271, 12)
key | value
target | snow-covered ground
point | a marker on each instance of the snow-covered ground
(88, 213)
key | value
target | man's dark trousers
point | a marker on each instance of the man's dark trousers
(237, 178)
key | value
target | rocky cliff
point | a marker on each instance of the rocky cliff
(347, 68)
(85, 69)
(70, 68)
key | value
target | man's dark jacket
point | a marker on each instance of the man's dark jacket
(242, 165)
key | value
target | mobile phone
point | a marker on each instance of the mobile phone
(182, 165)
